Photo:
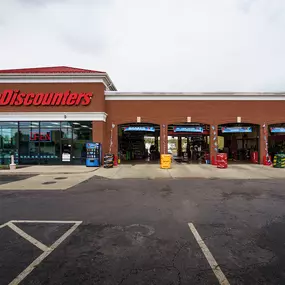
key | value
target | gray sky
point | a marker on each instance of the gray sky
(152, 45)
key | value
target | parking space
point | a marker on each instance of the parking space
(21, 252)
(96, 253)
(133, 254)
(146, 232)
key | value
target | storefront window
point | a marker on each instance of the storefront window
(8, 142)
(82, 133)
(66, 130)
(29, 142)
(49, 143)
(44, 142)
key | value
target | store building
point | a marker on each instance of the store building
(48, 114)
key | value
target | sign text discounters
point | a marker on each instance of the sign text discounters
(17, 98)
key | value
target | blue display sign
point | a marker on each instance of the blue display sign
(236, 129)
(277, 130)
(188, 130)
(139, 129)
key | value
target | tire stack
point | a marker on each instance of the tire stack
(108, 160)
(279, 161)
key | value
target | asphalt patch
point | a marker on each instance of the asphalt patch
(60, 178)
(49, 182)
(4, 179)
(269, 267)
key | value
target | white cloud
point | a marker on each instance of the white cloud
(162, 45)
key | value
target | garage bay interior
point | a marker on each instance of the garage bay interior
(189, 142)
(276, 139)
(239, 141)
(44, 142)
(139, 142)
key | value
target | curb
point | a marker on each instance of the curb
(43, 173)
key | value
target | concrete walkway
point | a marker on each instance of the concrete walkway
(65, 177)
(153, 171)
(47, 182)
(45, 177)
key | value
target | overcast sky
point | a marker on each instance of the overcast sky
(152, 45)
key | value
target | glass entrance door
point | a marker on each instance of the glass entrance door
(66, 151)
(66, 143)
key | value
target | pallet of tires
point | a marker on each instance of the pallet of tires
(108, 160)
(279, 161)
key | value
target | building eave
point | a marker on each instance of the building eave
(204, 96)
(59, 78)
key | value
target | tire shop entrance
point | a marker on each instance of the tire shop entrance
(189, 142)
(276, 139)
(139, 142)
(240, 141)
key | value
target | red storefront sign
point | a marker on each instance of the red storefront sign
(17, 98)
(37, 137)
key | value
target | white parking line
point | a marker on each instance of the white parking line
(45, 221)
(3, 225)
(27, 237)
(210, 258)
(47, 250)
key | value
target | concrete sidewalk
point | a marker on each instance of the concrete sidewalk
(47, 182)
(153, 171)
(50, 169)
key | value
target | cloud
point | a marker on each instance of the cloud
(246, 5)
(162, 45)
(40, 2)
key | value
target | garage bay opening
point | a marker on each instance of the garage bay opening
(276, 139)
(139, 142)
(240, 141)
(189, 142)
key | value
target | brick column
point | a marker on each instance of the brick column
(114, 144)
(213, 133)
(179, 147)
(156, 141)
(98, 135)
(163, 139)
(262, 144)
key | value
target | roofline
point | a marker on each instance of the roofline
(204, 96)
(128, 93)
(58, 78)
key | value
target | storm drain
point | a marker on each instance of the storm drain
(49, 182)
(60, 178)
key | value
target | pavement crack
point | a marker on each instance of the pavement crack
(169, 267)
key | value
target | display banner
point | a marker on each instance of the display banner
(277, 130)
(139, 129)
(188, 130)
(236, 129)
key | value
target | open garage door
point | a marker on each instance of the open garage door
(189, 142)
(240, 141)
(139, 142)
(276, 139)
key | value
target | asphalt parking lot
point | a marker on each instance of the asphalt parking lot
(139, 232)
